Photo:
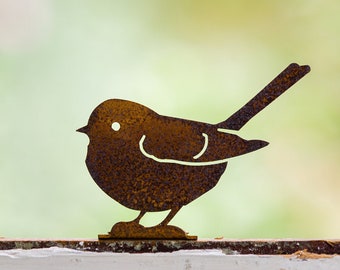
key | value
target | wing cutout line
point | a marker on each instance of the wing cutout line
(205, 146)
(180, 162)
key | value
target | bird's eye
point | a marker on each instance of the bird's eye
(115, 126)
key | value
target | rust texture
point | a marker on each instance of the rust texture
(149, 162)
(256, 247)
(133, 230)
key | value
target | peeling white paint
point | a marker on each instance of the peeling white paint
(62, 258)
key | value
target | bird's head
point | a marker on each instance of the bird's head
(116, 118)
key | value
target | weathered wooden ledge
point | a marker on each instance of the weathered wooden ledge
(228, 246)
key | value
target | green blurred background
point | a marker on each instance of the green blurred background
(199, 60)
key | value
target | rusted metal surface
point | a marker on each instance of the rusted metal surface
(133, 230)
(149, 162)
(273, 90)
(256, 247)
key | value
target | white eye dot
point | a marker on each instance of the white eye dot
(115, 126)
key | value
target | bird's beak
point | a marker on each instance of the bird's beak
(83, 129)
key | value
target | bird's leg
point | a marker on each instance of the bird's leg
(172, 213)
(133, 230)
(137, 219)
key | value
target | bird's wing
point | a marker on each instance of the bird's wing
(224, 145)
(174, 139)
(193, 143)
(191, 161)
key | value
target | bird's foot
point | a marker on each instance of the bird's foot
(133, 230)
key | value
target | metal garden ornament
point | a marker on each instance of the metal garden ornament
(150, 162)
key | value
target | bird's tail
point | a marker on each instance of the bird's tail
(273, 90)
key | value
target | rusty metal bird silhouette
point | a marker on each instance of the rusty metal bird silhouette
(149, 162)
